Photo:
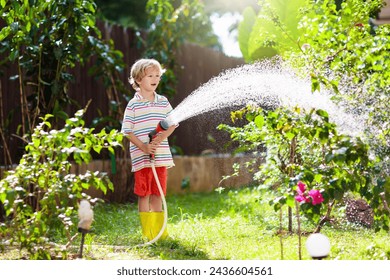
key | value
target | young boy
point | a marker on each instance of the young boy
(142, 114)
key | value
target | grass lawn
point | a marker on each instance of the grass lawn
(232, 225)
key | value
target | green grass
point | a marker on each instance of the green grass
(231, 225)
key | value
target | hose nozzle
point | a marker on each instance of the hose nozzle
(161, 126)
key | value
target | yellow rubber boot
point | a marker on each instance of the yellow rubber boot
(151, 224)
(158, 222)
(146, 224)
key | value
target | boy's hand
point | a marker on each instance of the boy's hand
(149, 148)
(157, 139)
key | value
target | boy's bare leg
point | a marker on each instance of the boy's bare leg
(143, 203)
(155, 203)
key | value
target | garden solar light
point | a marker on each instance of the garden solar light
(85, 221)
(318, 246)
(85, 216)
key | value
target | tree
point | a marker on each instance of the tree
(141, 16)
(129, 13)
(45, 39)
(272, 32)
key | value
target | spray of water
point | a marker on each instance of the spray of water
(266, 84)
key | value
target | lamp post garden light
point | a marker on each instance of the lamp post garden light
(85, 220)
(318, 246)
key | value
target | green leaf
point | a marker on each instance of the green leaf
(88, 142)
(323, 114)
(315, 84)
(274, 30)
(309, 175)
(28, 26)
(245, 29)
(259, 121)
(3, 196)
(4, 32)
(14, 55)
(36, 142)
(290, 201)
(290, 135)
(318, 178)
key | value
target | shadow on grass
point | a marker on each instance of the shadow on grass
(165, 250)
(174, 250)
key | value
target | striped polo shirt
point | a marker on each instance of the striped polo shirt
(141, 117)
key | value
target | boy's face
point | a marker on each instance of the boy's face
(151, 79)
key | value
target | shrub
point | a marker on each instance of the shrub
(303, 146)
(40, 196)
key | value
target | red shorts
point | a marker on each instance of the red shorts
(145, 183)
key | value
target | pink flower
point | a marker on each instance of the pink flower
(316, 197)
(301, 188)
(302, 198)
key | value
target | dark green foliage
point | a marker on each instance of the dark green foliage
(131, 13)
(46, 39)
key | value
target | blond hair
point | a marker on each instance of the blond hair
(137, 71)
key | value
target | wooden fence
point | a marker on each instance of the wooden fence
(198, 66)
